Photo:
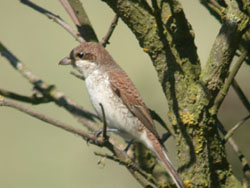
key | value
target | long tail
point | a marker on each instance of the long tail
(162, 155)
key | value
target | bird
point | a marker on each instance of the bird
(108, 84)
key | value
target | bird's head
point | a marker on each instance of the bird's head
(88, 57)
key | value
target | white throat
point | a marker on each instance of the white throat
(85, 67)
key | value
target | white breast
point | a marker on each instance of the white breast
(117, 114)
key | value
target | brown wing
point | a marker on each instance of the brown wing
(123, 87)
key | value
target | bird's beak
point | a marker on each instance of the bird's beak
(65, 61)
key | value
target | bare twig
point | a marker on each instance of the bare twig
(148, 178)
(241, 95)
(80, 19)
(106, 38)
(31, 100)
(77, 75)
(235, 127)
(37, 7)
(241, 156)
(70, 11)
(215, 9)
(62, 23)
(13, 104)
(222, 93)
(243, 160)
(54, 17)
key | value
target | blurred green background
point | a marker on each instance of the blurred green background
(35, 154)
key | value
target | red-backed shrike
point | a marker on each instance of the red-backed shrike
(124, 109)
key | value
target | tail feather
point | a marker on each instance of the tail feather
(171, 170)
(153, 143)
(160, 152)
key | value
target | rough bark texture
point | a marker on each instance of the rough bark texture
(165, 34)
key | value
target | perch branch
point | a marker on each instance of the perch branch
(111, 29)
(85, 135)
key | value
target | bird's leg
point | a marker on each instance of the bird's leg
(105, 129)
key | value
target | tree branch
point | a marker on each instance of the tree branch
(47, 119)
(222, 93)
(223, 50)
(235, 127)
(220, 15)
(54, 17)
(32, 100)
(145, 178)
(242, 158)
(70, 12)
(105, 39)
(75, 34)
(241, 95)
(214, 8)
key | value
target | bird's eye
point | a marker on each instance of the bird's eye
(80, 55)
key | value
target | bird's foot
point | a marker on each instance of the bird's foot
(98, 132)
